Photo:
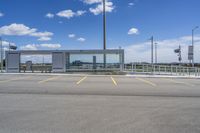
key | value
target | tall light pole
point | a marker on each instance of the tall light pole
(156, 56)
(193, 43)
(104, 31)
(152, 42)
(1, 43)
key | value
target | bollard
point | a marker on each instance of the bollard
(171, 70)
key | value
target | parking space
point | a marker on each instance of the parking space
(96, 81)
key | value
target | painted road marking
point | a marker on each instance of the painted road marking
(47, 80)
(147, 82)
(10, 80)
(81, 80)
(114, 81)
(178, 82)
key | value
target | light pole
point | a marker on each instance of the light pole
(156, 56)
(104, 32)
(152, 42)
(1, 54)
(193, 43)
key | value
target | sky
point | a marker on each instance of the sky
(77, 24)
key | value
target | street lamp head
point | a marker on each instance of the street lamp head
(196, 27)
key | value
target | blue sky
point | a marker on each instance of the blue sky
(77, 24)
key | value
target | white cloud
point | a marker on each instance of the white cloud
(70, 14)
(16, 29)
(99, 8)
(50, 45)
(6, 43)
(1, 14)
(66, 14)
(49, 15)
(80, 13)
(131, 4)
(43, 36)
(37, 46)
(142, 52)
(133, 31)
(29, 47)
(92, 1)
(23, 30)
(81, 39)
(71, 35)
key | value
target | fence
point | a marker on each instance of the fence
(162, 69)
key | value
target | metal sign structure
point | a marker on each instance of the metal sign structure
(190, 53)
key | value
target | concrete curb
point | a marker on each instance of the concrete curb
(91, 75)
(164, 76)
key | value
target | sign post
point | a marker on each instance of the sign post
(190, 53)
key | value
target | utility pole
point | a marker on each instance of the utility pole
(104, 32)
(193, 43)
(152, 42)
(156, 56)
(1, 54)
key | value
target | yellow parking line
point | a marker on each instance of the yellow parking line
(147, 82)
(47, 80)
(178, 82)
(113, 80)
(81, 80)
(10, 80)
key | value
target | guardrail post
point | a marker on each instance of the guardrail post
(195, 71)
(198, 71)
(132, 67)
(135, 68)
(143, 68)
(171, 70)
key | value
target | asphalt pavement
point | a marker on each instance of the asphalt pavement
(98, 104)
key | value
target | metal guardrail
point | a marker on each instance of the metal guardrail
(162, 70)
(72, 68)
(129, 68)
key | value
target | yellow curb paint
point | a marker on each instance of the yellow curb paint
(47, 80)
(113, 80)
(81, 80)
(147, 82)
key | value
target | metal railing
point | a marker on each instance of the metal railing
(162, 69)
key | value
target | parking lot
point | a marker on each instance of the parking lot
(98, 85)
(88, 103)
